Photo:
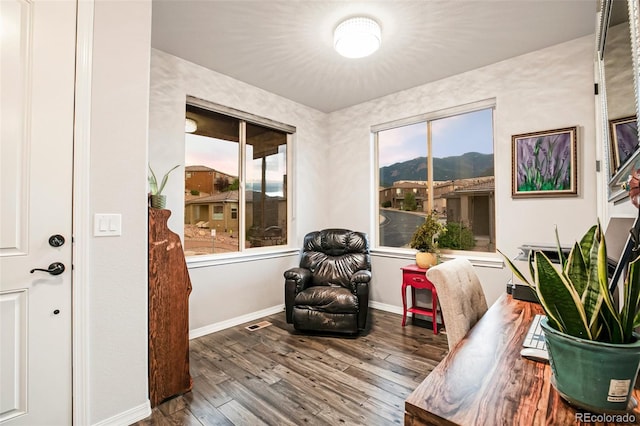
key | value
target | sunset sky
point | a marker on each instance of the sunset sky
(452, 136)
(217, 154)
(223, 156)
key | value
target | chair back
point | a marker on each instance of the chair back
(461, 297)
(333, 255)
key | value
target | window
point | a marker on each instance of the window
(442, 163)
(236, 176)
(218, 213)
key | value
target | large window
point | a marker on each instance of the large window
(235, 184)
(443, 164)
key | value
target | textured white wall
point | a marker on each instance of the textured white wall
(117, 310)
(548, 89)
(387, 281)
(173, 79)
(226, 291)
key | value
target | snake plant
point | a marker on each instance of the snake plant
(575, 295)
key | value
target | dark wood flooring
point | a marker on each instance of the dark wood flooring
(277, 376)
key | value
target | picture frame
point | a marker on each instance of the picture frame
(544, 164)
(623, 134)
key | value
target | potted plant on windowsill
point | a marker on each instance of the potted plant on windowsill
(594, 354)
(158, 200)
(424, 240)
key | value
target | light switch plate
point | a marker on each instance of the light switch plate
(107, 225)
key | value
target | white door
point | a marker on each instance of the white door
(37, 63)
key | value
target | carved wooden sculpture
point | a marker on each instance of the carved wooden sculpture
(169, 289)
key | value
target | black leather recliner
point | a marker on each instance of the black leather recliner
(329, 292)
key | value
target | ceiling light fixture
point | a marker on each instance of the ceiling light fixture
(190, 125)
(357, 37)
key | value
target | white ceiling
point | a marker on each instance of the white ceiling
(285, 47)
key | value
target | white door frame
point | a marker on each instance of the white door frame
(82, 213)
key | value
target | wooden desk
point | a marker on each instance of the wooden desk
(485, 381)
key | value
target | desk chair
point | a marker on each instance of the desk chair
(461, 298)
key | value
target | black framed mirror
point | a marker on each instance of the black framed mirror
(618, 64)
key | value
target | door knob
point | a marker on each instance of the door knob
(56, 268)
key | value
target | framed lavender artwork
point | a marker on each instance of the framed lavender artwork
(624, 140)
(544, 164)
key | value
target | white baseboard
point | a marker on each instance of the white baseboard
(128, 417)
(212, 328)
(386, 307)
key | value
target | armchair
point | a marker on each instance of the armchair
(329, 291)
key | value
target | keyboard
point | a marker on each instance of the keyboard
(535, 336)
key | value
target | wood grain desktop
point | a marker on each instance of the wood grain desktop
(485, 381)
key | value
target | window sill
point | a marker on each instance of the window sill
(204, 261)
(486, 260)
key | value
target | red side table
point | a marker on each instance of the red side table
(415, 277)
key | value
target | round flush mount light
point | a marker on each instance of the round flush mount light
(357, 37)
(190, 125)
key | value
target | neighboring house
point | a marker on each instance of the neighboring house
(207, 203)
(217, 211)
(441, 188)
(220, 212)
(472, 202)
(468, 201)
(394, 196)
(206, 180)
